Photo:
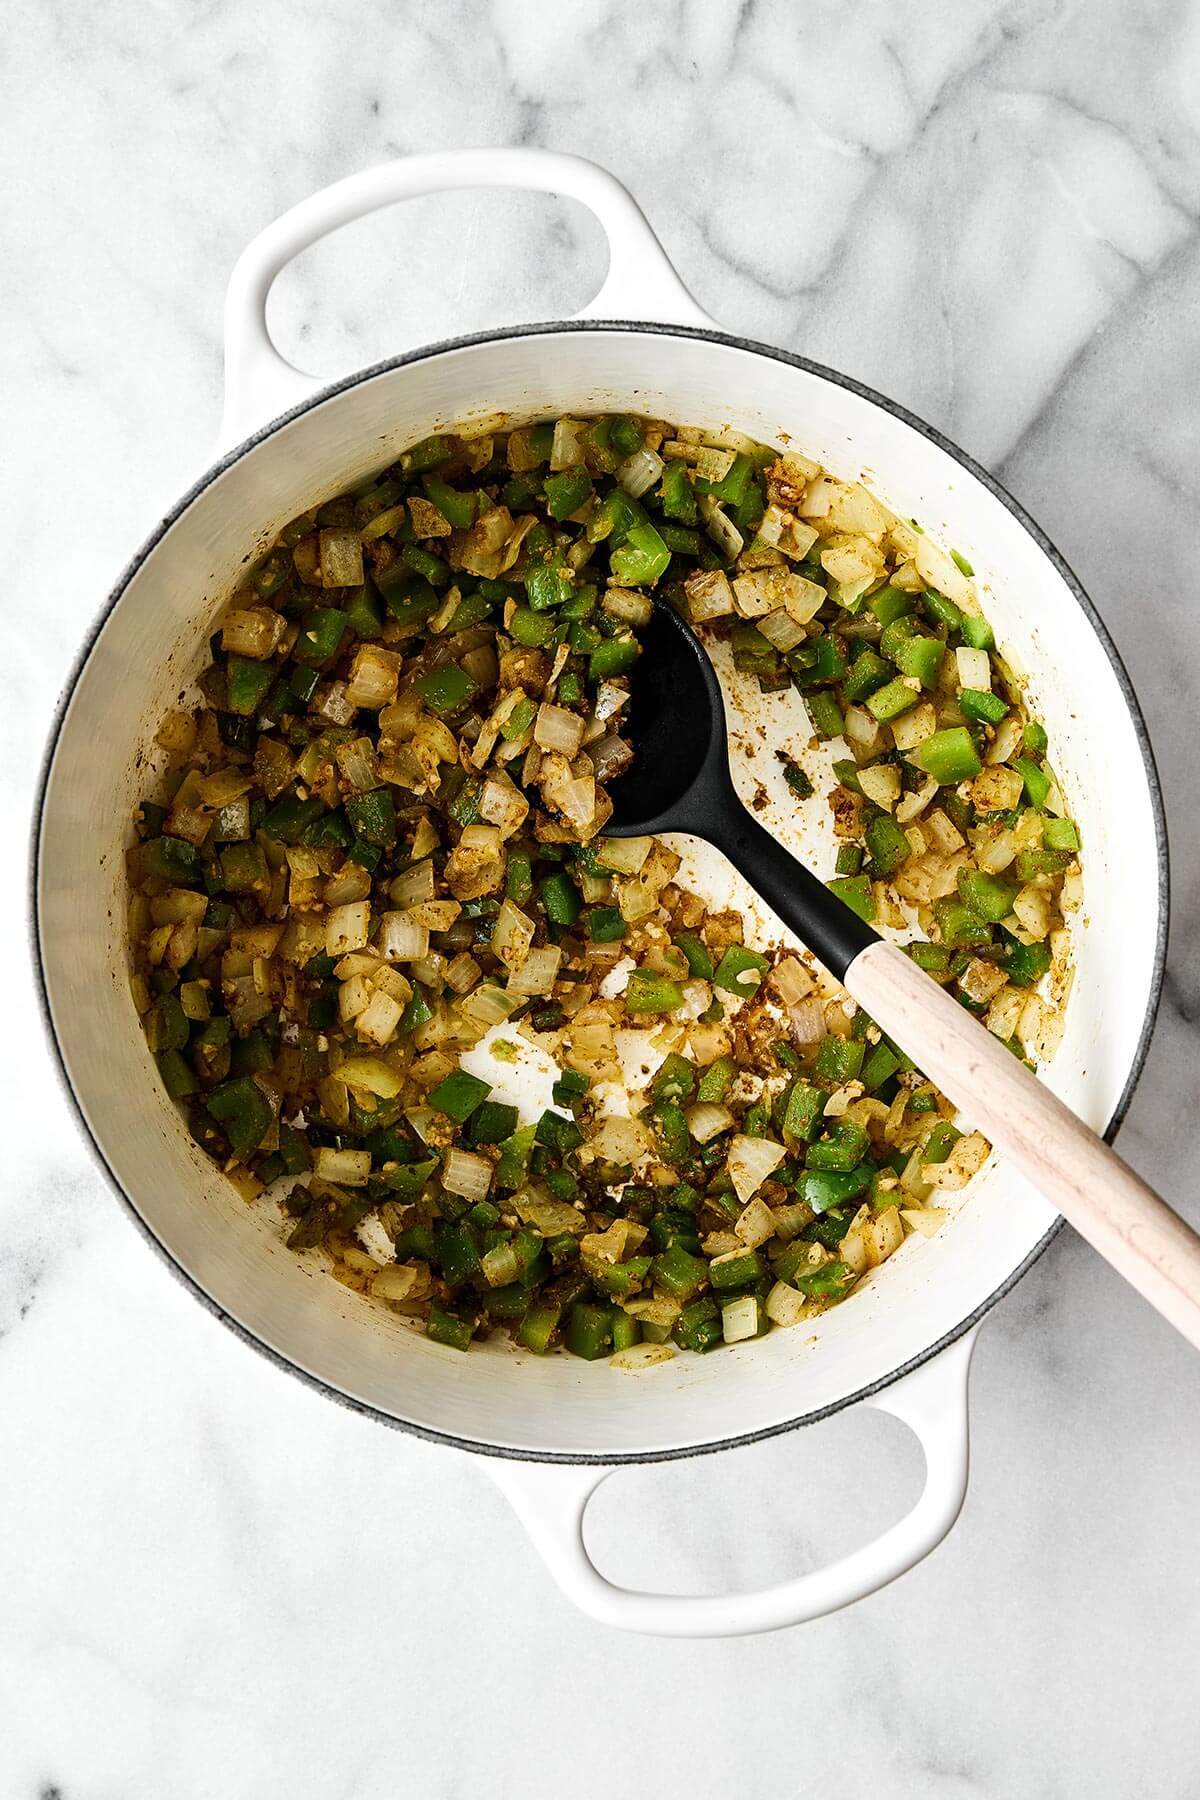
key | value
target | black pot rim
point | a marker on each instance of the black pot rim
(731, 341)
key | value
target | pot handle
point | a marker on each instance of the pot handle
(640, 283)
(550, 1501)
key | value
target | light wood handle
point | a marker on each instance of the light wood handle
(1120, 1216)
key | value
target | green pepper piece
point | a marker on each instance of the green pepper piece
(868, 673)
(715, 1080)
(887, 844)
(889, 604)
(740, 971)
(1026, 963)
(170, 859)
(977, 632)
(605, 925)
(364, 612)
(1037, 782)
(456, 1252)
(649, 992)
(445, 690)
(1060, 834)
(457, 508)
(458, 1094)
(825, 713)
(518, 885)
(243, 868)
(843, 1148)
(290, 817)
(241, 1109)
(824, 1189)
(166, 1024)
(567, 491)
(989, 896)
(321, 634)
(641, 558)
(880, 1066)
(447, 1328)
(855, 892)
(681, 1274)
(839, 1059)
(531, 628)
(177, 1075)
(491, 1122)
(887, 703)
(614, 656)
(539, 1325)
(921, 657)
(982, 706)
(699, 962)
(743, 1267)
(959, 927)
(246, 684)
(678, 494)
(698, 1326)
(675, 1079)
(588, 1330)
(373, 816)
(560, 898)
(949, 756)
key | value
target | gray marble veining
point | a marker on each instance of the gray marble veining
(213, 1582)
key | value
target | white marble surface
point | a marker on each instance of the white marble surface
(213, 1582)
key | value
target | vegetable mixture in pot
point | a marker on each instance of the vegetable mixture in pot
(500, 1071)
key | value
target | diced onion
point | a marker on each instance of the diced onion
(566, 449)
(555, 728)
(346, 1168)
(807, 1020)
(627, 605)
(466, 1174)
(639, 472)
(512, 935)
(739, 1319)
(881, 783)
(706, 1121)
(621, 1141)
(371, 1073)
(624, 855)
(538, 973)
(974, 668)
(641, 1356)
(751, 1161)
(709, 595)
(374, 675)
(347, 927)
(401, 938)
(377, 1022)
(721, 529)
(785, 1306)
(502, 804)
(756, 1224)
(781, 630)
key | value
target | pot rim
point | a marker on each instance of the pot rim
(540, 329)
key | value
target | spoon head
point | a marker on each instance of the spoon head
(676, 724)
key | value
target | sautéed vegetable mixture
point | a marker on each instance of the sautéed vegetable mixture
(503, 1072)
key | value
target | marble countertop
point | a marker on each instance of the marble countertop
(213, 1582)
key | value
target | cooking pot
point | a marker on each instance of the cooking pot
(552, 1429)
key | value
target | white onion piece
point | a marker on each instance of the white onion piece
(751, 1161)
(639, 472)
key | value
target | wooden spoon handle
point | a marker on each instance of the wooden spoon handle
(1120, 1216)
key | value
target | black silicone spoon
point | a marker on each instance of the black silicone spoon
(680, 781)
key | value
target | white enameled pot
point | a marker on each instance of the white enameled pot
(553, 1429)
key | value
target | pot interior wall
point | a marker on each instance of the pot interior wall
(149, 650)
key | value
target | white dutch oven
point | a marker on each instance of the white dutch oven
(554, 1429)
